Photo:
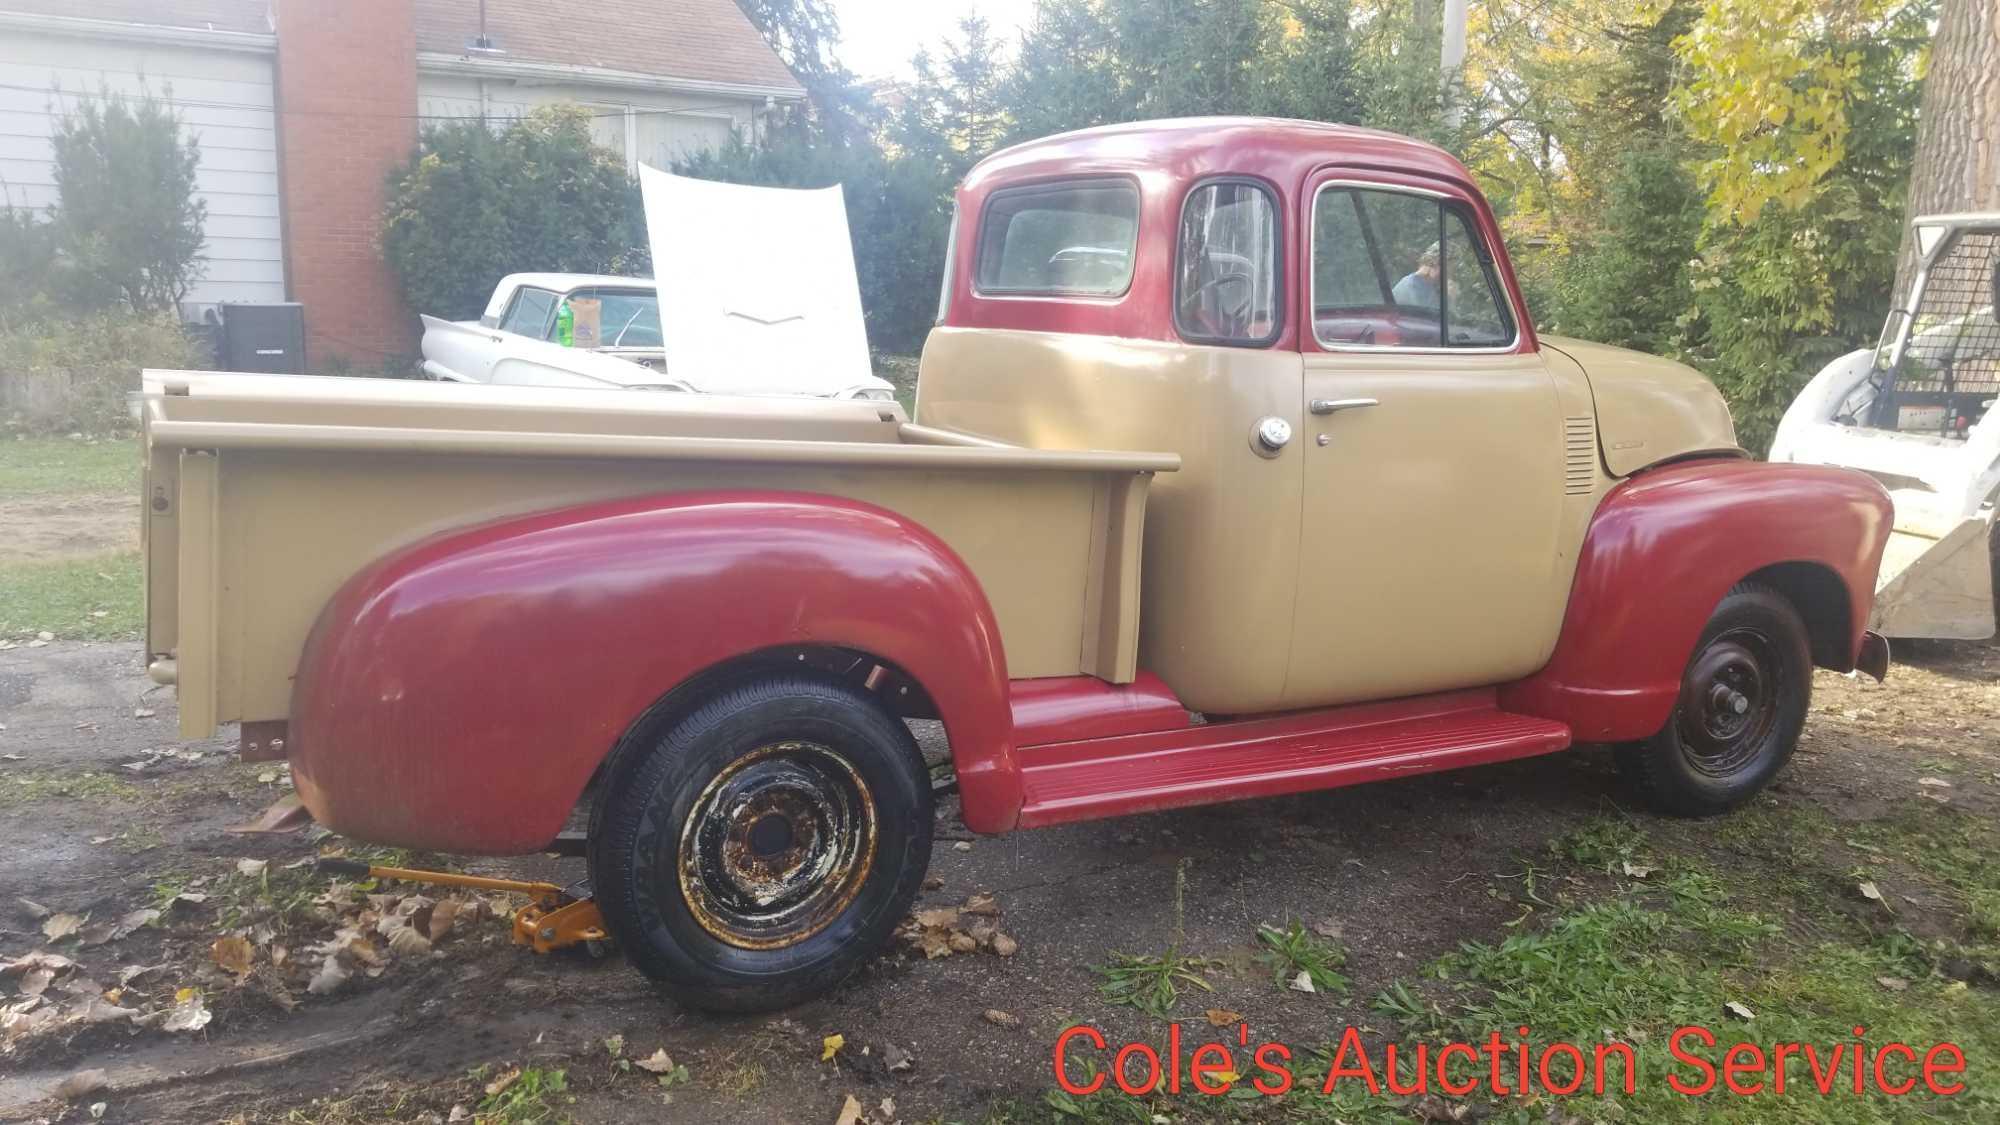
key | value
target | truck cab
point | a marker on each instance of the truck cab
(1383, 463)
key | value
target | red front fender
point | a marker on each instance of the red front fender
(458, 694)
(1662, 550)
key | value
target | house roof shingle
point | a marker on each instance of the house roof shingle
(251, 16)
(707, 40)
(704, 40)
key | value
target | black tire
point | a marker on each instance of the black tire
(1742, 705)
(766, 846)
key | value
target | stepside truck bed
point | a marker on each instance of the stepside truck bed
(265, 493)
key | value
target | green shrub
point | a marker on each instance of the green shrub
(127, 223)
(475, 204)
(73, 374)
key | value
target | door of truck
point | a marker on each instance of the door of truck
(1433, 451)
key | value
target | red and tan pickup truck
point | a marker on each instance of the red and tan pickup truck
(1237, 469)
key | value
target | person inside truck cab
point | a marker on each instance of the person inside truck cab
(1419, 288)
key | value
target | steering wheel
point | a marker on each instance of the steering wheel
(1223, 321)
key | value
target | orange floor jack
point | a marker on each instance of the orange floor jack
(557, 918)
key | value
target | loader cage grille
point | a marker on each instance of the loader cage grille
(1949, 371)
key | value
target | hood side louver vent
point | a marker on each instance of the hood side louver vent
(1579, 455)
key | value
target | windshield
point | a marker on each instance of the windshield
(1948, 374)
(627, 318)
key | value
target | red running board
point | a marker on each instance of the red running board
(1228, 761)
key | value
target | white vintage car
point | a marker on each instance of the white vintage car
(516, 343)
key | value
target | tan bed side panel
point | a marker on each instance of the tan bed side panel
(298, 524)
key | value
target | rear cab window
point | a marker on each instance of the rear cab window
(1072, 238)
(1400, 269)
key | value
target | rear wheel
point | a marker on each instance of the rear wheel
(766, 846)
(1742, 704)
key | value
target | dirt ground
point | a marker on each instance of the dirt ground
(54, 528)
(97, 822)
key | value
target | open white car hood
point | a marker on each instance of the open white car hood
(757, 287)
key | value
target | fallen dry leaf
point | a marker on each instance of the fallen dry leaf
(939, 916)
(1002, 1019)
(407, 942)
(982, 903)
(962, 942)
(1223, 1017)
(441, 918)
(831, 1045)
(189, 1012)
(1893, 984)
(135, 920)
(35, 909)
(499, 1085)
(1638, 870)
(1740, 1011)
(130, 973)
(36, 960)
(1004, 945)
(82, 1084)
(37, 981)
(850, 1112)
(253, 868)
(234, 954)
(329, 978)
(1327, 928)
(1303, 982)
(59, 926)
(659, 1062)
(1938, 782)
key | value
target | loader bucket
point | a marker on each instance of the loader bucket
(1937, 585)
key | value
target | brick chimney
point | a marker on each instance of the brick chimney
(347, 103)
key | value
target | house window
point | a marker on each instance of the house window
(1226, 267)
(1071, 239)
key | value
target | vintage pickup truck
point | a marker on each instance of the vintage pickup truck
(1237, 469)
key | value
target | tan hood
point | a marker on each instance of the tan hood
(1649, 409)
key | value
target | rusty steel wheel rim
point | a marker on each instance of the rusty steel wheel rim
(1730, 701)
(777, 845)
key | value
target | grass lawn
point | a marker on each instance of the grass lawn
(56, 466)
(77, 599)
(83, 599)
(1757, 928)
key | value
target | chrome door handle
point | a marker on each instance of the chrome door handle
(1334, 405)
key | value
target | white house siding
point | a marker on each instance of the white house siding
(224, 96)
(645, 126)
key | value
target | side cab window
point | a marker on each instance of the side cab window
(530, 314)
(1227, 280)
(1402, 269)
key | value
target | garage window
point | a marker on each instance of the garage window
(1071, 239)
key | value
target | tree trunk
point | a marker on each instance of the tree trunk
(1957, 165)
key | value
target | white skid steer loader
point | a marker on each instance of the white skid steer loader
(1916, 412)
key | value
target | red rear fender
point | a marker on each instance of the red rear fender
(1663, 549)
(458, 694)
